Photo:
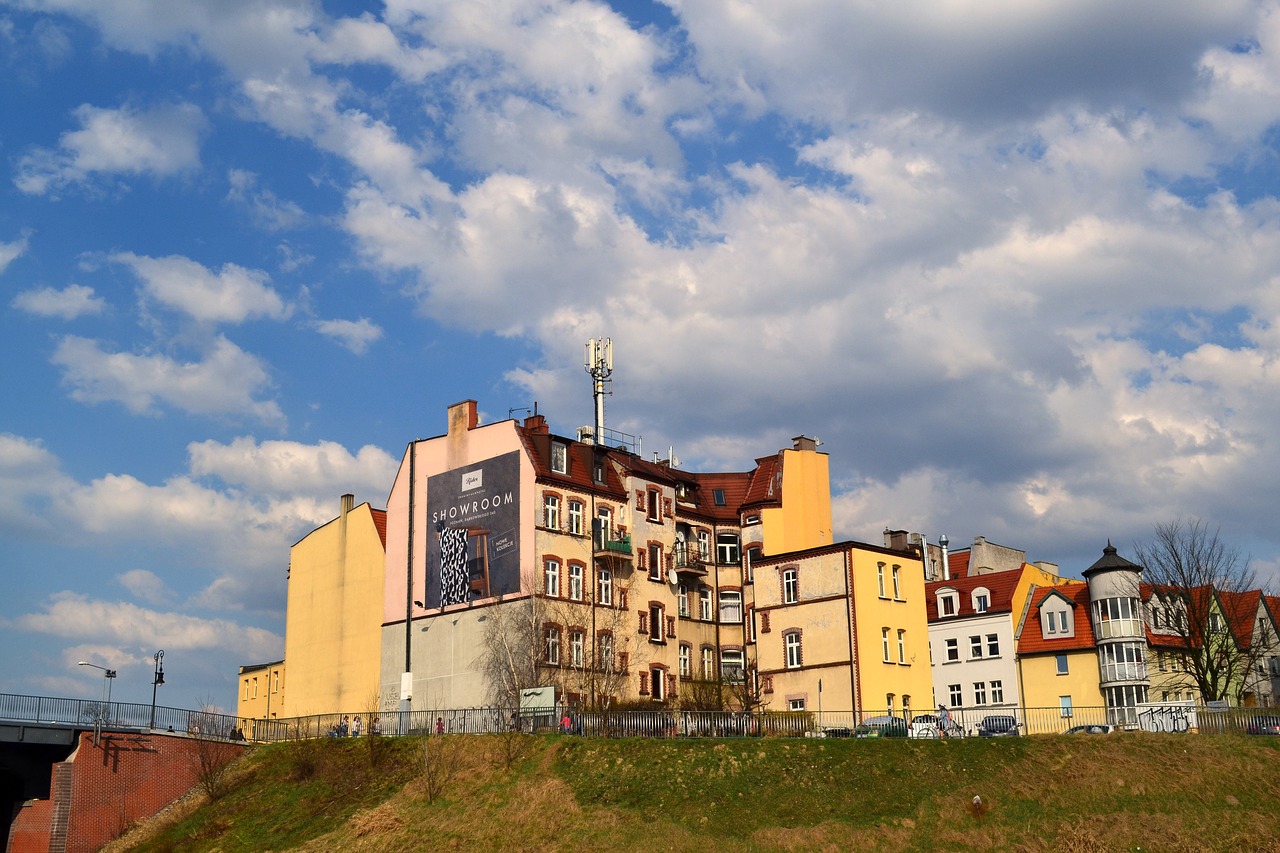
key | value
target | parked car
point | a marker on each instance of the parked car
(998, 725)
(882, 727)
(1091, 729)
(837, 731)
(927, 726)
(1264, 724)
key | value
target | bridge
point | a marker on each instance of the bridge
(74, 774)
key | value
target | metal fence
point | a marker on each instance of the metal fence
(658, 722)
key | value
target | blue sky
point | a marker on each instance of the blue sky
(1017, 266)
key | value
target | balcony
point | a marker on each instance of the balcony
(613, 546)
(689, 560)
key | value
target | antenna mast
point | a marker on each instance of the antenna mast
(599, 363)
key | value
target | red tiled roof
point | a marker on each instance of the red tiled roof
(958, 564)
(1240, 609)
(735, 487)
(766, 482)
(1000, 584)
(380, 522)
(1033, 640)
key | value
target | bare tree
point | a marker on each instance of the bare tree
(514, 646)
(442, 759)
(1205, 599)
(214, 750)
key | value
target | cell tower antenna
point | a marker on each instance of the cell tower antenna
(599, 364)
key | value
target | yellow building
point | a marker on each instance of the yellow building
(850, 615)
(261, 692)
(1058, 660)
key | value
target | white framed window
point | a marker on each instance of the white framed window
(993, 645)
(657, 624)
(246, 688)
(954, 696)
(975, 647)
(682, 601)
(575, 581)
(1064, 705)
(1063, 625)
(575, 517)
(552, 571)
(730, 606)
(902, 646)
(552, 643)
(795, 704)
(897, 582)
(704, 604)
(655, 562)
(1062, 664)
(655, 505)
(704, 544)
(791, 645)
(708, 663)
(577, 645)
(751, 625)
(731, 666)
(255, 687)
(606, 587)
(559, 458)
(551, 512)
(979, 693)
(880, 578)
(953, 649)
(658, 679)
(948, 603)
(727, 549)
(605, 648)
(981, 601)
(884, 643)
(790, 585)
(686, 660)
(604, 518)
(997, 692)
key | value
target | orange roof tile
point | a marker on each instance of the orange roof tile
(1033, 640)
(1000, 584)
(380, 522)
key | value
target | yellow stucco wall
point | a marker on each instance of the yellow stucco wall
(1042, 687)
(260, 691)
(804, 519)
(905, 612)
(333, 623)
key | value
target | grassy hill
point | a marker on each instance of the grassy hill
(1126, 791)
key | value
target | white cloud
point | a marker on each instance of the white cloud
(321, 470)
(10, 252)
(71, 302)
(146, 586)
(231, 295)
(355, 335)
(162, 141)
(225, 382)
(268, 210)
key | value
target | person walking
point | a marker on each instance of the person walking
(356, 726)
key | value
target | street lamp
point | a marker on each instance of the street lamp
(156, 682)
(107, 675)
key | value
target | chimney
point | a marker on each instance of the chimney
(348, 503)
(537, 424)
(463, 416)
(804, 442)
(946, 567)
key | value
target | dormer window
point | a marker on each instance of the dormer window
(1057, 623)
(559, 458)
(948, 602)
(981, 600)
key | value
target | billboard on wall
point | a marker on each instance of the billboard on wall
(473, 531)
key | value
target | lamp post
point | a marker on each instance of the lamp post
(107, 675)
(156, 682)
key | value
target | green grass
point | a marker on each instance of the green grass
(1085, 793)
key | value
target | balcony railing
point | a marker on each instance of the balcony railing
(613, 542)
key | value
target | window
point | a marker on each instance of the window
(884, 642)
(658, 678)
(717, 495)
(897, 582)
(246, 688)
(682, 601)
(575, 581)
(731, 668)
(577, 643)
(655, 562)
(559, 458)
(553, 578)
(1051, 623)
(708, 663)
(790, 586)
(1062, 623)
(255, 687)
(575, 517)
(551, 511)
(993, 645)
(605, 648)
(727, 549)
(953, 695)
(606, 587)
(791, 644)
(795, 704)
(730, 606)
(979, 693)
(953, 649)
(553, 646)
(1062, 664)
(880, 578)
(686, 660)
(605, 519)
(947, 604)
(655, 505)
(751, 626)
(981, 602)
(275, 684)
(704, 604)
(1064, 703)
(975, 647)
(657, 624)
(704, 544)
(902, 646)
(754, 553)
(997, 692)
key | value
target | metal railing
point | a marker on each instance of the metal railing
(119, 715)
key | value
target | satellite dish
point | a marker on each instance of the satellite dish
(672, 578)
